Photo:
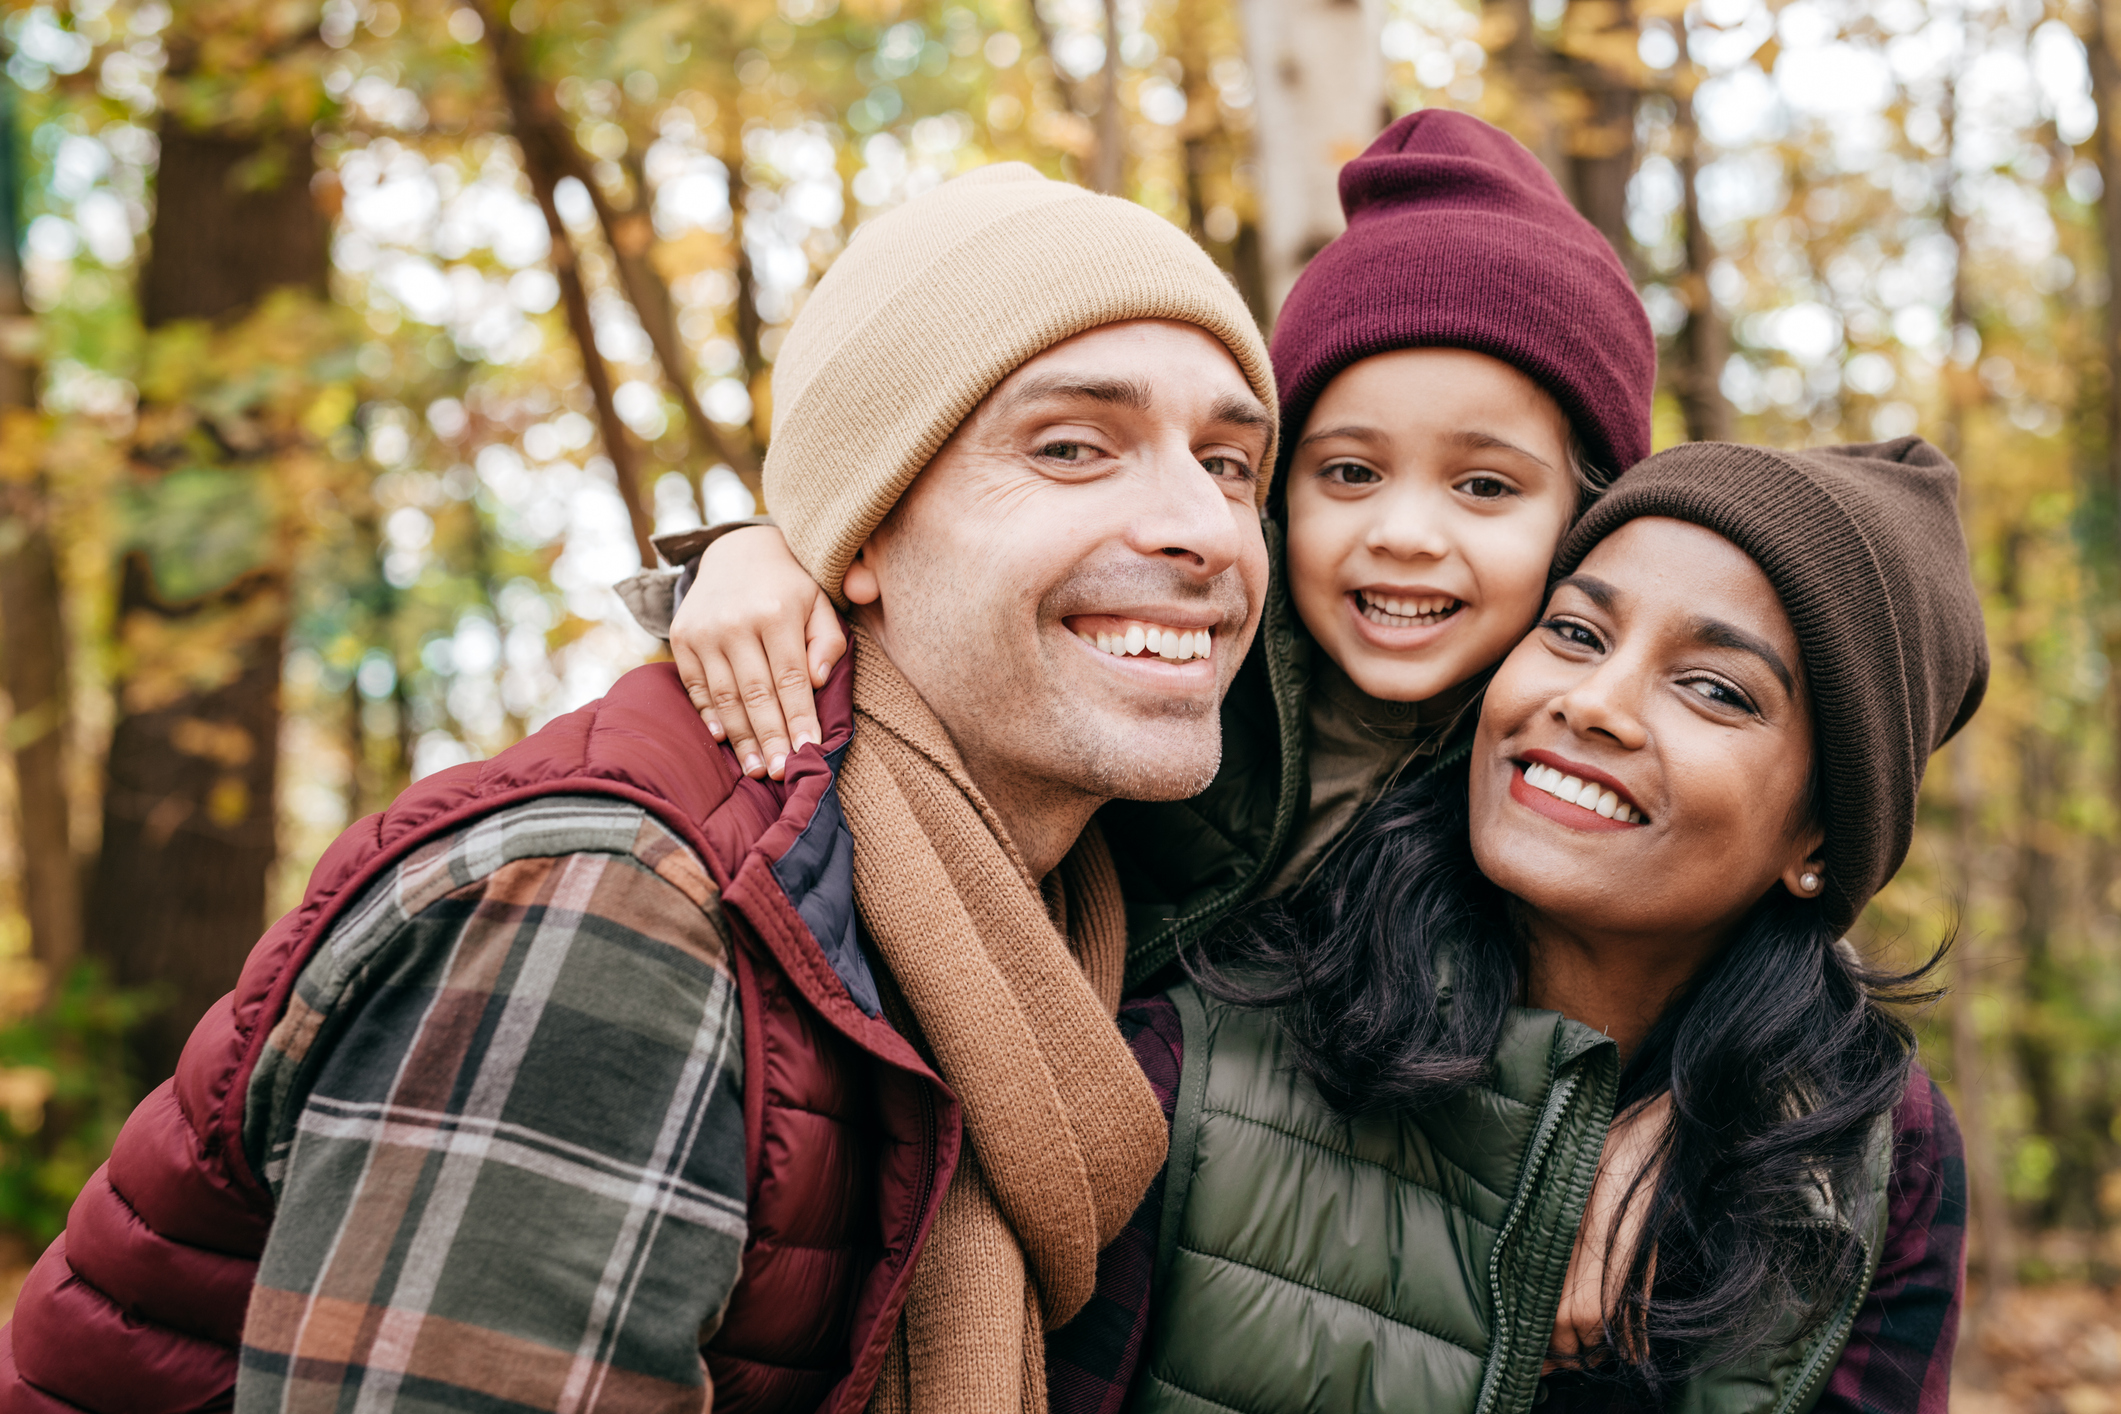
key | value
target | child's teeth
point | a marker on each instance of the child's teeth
(1577, 791)
(1380, 608)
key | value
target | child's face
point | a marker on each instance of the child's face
(1427, 496)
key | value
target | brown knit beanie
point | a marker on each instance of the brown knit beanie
(1864, 547)
(933, 304)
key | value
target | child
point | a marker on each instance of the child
(1461, 372)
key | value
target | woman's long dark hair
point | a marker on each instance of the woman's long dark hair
(1396, 966)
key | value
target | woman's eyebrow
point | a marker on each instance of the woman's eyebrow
(1718, 634)
(1592, 588)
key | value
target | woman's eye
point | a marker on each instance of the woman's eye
(1350, 473)
(1485, 488)
(1720, 693)
(1572, 633)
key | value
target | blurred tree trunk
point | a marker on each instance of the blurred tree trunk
(549, 155)
(2105, 64)
(1319, 84)
(188, 822)
(1532, 75)
(33, 650)
(1108, 165)
(1994, 1239)
(630, 234)
(2035, 895)
(1601, 147)
(1703, 344)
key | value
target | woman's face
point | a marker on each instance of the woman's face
(1666, 672)
(1427, 493)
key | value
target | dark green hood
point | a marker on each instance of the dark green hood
(1184, 865)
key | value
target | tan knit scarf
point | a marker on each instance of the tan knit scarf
(1064, 1133)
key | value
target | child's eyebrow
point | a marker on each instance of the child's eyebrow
(1353, 432)
(1471, 441)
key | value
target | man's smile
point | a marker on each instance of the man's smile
(1142, 638)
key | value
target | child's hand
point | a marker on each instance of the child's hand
(739, 639)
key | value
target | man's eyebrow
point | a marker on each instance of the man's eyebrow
(1241, 412)
(1128, 393)
(1718, 634)
(1472, 441)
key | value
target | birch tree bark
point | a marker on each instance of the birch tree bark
(1319, 82)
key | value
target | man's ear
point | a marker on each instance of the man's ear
(861, 585)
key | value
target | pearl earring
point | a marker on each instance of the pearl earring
(1809, 882)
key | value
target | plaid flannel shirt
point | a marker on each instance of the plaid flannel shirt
(502, 1116)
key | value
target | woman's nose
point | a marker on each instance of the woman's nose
(1606, 703)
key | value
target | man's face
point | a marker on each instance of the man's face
(1101, 496)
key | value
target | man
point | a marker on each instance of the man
(597, 1077)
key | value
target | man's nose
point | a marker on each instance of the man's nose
(1186, 514)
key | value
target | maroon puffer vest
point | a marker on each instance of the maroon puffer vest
(850, 1137)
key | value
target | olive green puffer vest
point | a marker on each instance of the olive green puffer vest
(1404, 1262)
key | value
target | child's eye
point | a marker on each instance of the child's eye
(1573, 633)
(1350, 473)
(1719, 692)
(1486, 488)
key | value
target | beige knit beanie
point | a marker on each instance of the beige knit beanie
(932, 305)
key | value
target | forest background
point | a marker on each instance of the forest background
(350, 352)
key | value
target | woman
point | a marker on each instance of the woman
(1568, 1092)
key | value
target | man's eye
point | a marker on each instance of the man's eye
(1227, 468)
(1350, 473)
(1064, 451)
(1485, 488)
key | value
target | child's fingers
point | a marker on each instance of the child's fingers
(791, 681)
(760, 695)
(693, 674)
(727, 700)
(828, 644)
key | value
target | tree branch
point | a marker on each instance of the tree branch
(545, 161)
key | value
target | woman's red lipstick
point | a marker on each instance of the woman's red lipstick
(1563, 812)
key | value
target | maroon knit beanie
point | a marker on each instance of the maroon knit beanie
(1863, 546)
(1458, 238)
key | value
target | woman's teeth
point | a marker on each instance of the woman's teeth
(1579, 792)
(1142, 640)
(1405, 611)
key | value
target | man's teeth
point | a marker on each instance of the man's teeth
(1405, 611)
(1153, 641)
(1580, 792)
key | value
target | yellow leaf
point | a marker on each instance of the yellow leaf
(329, 411)
(22, 441)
